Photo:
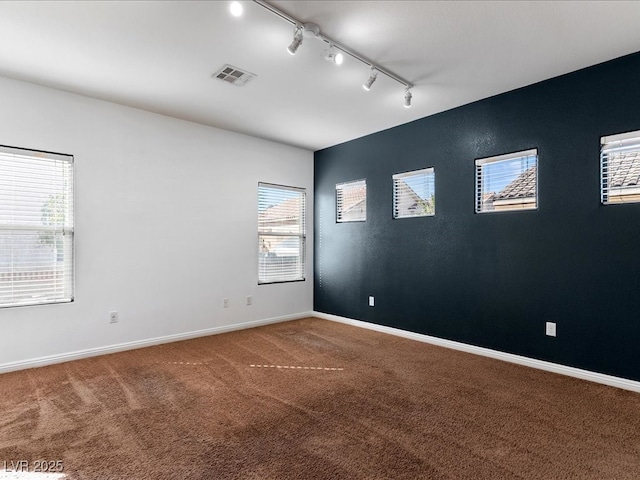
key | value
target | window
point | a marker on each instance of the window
(281, 233)
(507, 182)
(413, 194)
(351, 201)
(620, 168)
(36, 227)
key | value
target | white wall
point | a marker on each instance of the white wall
(166, 224)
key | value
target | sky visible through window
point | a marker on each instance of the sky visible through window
(422, 185)
(497, 175)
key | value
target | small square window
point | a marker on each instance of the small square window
(620, 168)
(351, 201)
(414, 194)
(507, 182)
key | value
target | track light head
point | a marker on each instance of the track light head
(301, 31)
(372, 78)
(333, 55)
(407, 97)
(297, 41)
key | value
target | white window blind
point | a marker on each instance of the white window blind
(620, 168)
(36, 227)
(507, 182)
(281, 233)
(414, 194)
(351, 201)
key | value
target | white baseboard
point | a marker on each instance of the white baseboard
(610, 380)
(487, 352)
(93, 352)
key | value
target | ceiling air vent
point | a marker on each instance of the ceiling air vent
(234, 75)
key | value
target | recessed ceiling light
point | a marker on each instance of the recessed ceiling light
(236, 9)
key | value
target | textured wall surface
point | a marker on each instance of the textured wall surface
(493, 280)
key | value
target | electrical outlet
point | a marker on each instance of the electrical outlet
(551, 329)
(249, 300)
(113, 317)
(225, 302)
(372, 301)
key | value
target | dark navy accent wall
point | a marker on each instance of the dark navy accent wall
(493, 280)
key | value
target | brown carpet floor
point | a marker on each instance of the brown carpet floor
(313, 399)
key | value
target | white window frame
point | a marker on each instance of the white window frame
(359, 214)
(623, 151)
(36, 227)
(423, 207)
(270, 269)
(511, 204)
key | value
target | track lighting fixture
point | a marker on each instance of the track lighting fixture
(334, 55)
(372, 78)
(297, 41)
(336, 52)
(407, 97)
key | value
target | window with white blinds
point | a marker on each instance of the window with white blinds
(620, 168)
(414, 194)
(351, 201)
(36, 227)
(281, 233)
(507, 182)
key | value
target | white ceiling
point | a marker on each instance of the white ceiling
(159, 56)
